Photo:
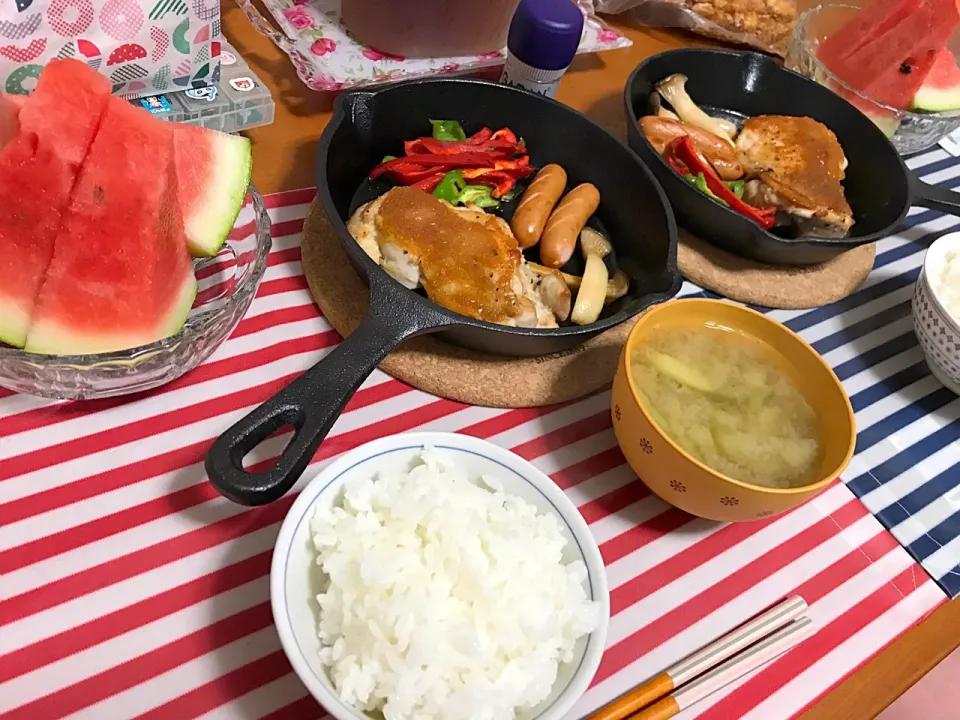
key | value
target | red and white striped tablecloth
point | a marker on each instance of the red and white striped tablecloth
(130, 588)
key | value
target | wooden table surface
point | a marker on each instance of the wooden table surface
(283, 160)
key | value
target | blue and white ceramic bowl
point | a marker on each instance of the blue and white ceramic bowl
(294, 576)
(937, 331)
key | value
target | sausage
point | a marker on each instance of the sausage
(536, 204)
(660, 131)
(560, 235)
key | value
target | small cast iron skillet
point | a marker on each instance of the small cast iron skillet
(365, 127)
(739, 85)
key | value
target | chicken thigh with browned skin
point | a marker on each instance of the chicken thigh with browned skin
(466, 260)
(796, 164)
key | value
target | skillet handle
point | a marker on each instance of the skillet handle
(312, 403)
(934, 197)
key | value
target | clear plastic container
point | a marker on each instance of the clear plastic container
(429, 28)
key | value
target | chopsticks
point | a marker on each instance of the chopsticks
(714, 666)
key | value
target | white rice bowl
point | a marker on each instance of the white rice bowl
(439, 593)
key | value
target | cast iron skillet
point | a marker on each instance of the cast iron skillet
(738, 85)
(365, 126)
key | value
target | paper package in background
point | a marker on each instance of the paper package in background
(328, 58)
(142, 46)
(762, 24)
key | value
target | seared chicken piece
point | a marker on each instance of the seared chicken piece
(466, 260)
(796, 164)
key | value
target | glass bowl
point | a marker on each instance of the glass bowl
(228, 283)
(909, 132)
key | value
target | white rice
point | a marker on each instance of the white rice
(445, 598)
(945, 281)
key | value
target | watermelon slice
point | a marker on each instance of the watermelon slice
(892, 68)
(213, 173)
(874, 20)
(940, 92)
(38, 170)
(120, 275)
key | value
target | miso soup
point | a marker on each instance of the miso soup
(714, 393)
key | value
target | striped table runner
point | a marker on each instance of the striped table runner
(907, 465)
(130, 589)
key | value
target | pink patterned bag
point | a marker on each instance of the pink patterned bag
(145, 47)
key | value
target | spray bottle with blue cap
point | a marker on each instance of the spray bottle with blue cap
(543, 40)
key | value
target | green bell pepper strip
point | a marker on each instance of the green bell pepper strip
(700, 183)
(738, 186)
(479, 195)
(454, 189)
(448, 130)
(450, 187)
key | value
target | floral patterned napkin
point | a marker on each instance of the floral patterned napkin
(328, 58)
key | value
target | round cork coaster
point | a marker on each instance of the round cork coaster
(786, 288)
(445, 370)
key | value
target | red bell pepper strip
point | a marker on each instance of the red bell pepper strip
(670, 154)
(516, 147)
(473, 159)
(480, 137)
(518, 174)
(686, 153)
(429, 184)
(411, 177)
(500, 181)
(414, 147)
(518, 168)
(409, 173)
(521, 162)
(677, 166)
(427, 145)
(505, 134)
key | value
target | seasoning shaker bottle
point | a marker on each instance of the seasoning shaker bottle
(542, 42)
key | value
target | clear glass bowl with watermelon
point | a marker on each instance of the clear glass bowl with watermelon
(895, 60)
(130, 248)
(227, 284)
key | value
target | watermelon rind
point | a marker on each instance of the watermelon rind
(215, 212)
(48, 337)
(931, 100)
(940, 91)
(13, 323)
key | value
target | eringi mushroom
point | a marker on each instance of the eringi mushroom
(673, 89)
(593, 288)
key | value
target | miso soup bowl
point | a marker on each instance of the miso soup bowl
(683, 481)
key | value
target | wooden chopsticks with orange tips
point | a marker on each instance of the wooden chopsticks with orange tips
(714, 666)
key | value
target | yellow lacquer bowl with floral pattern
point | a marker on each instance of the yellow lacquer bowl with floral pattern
(685, 482)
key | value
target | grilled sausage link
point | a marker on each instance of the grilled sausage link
(721, 154)
(536, 204)
(560, 235)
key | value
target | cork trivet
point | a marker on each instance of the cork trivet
(786, 288)
(444, 370)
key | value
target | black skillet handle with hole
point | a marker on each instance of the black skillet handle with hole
(936, 198)
(312, 403)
